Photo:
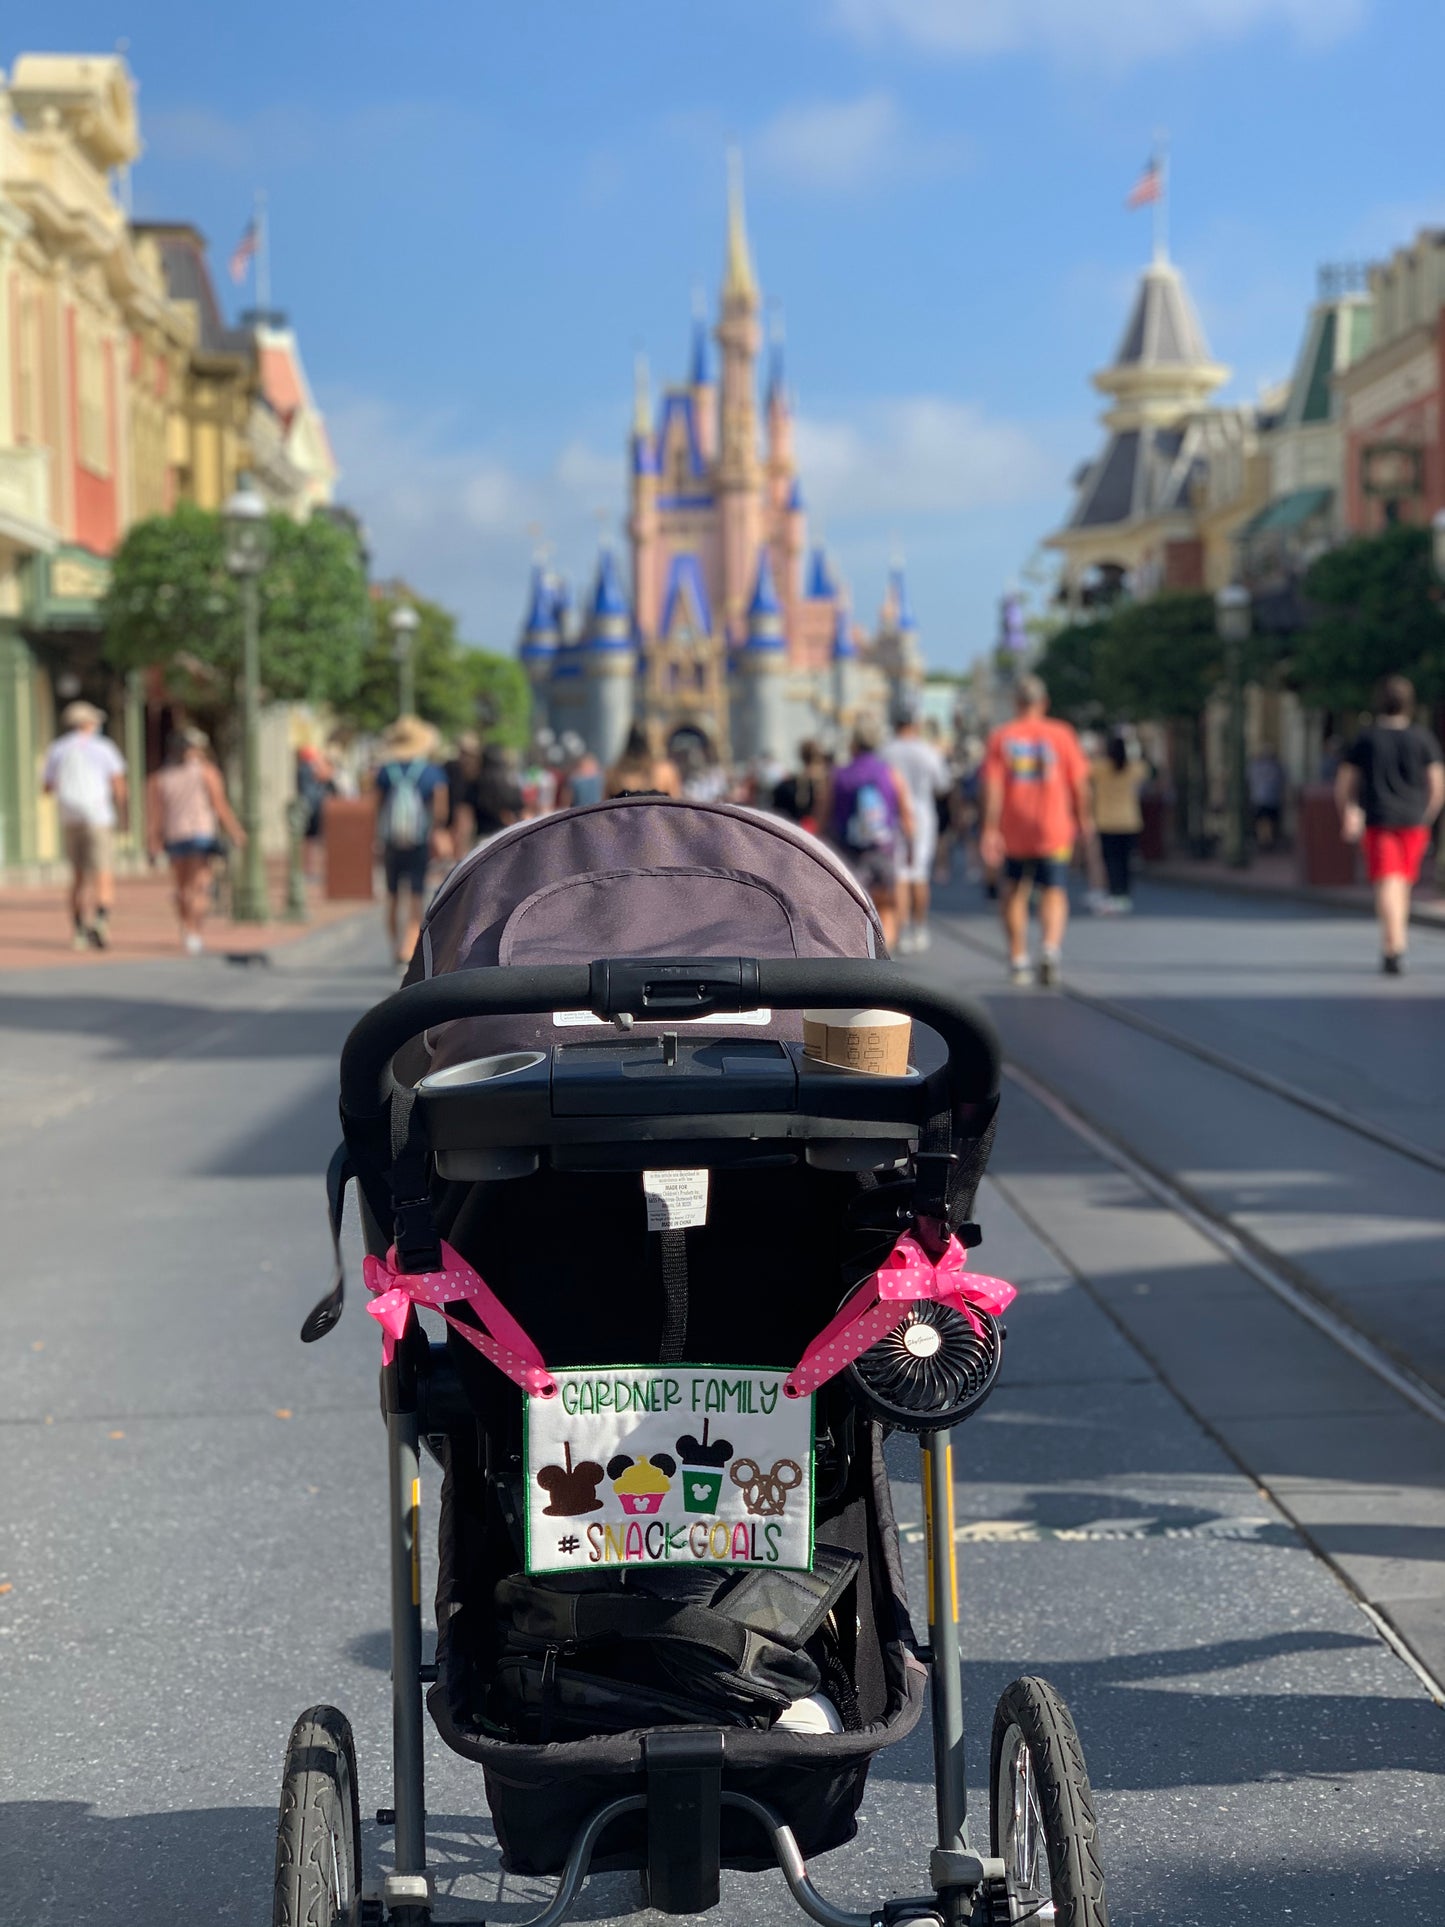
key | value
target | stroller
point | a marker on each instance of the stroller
(688, 1277)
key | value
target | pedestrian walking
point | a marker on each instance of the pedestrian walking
(1265, 781)
(637, 770)
(412, 793)
(802, 795)
(1390, 788)
(925, 776)
(186, 812)
(585, 779)
(1036, 806)
(85, 773)
(1118, 778)
(870, 823)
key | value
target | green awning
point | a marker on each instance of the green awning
(1289, 512)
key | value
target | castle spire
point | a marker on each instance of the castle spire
(739, 283)
(700, 362)
(641, 395)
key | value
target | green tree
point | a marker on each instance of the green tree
(443, 692)
(172, 604)
(1374, 609)
(1067, 666)
(1158, 661)
(502, 696)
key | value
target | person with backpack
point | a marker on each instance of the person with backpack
(871, 824)
(85, 773)
(411, 794)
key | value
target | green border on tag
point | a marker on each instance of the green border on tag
(680, 1365)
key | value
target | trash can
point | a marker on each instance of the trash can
(348, 838)
(1325, 859)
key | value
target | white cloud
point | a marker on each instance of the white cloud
(459, 522)
(846, 145)
(1113, 33)
(921, 456)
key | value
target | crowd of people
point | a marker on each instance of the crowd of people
(1025, 810)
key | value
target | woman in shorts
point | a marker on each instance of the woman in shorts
(186, 812)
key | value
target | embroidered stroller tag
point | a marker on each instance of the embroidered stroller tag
(668, 1465)
(676, 1200)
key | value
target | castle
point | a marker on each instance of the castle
(733, 641)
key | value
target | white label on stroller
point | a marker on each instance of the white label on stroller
(668, 1465)
(565, 1019)
(675, 1199)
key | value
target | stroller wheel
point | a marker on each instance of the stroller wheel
(318, 1834)
(1042, 1810)
(930, 1371)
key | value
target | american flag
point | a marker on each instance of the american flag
(1148, 187)
(244, 252)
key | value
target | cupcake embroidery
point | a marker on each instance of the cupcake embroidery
(641, 1484)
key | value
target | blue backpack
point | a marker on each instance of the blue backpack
(405, 812)
(870, 827)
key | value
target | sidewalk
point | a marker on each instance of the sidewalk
(1278, 876)
(35, 924)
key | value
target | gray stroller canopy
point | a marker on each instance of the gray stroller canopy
(636, 877)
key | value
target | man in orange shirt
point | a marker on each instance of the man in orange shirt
(1035, 807)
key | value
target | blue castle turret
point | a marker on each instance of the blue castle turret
(538, 646)
(609, 661)
(760, 687)
(846, 674)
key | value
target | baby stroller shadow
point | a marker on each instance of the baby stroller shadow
(689, 1277)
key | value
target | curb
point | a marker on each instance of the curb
(308, 947)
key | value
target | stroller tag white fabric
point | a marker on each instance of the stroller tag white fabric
(668, 1465)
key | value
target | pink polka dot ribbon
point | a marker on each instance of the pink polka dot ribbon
(501, 1338)
(906, 1276)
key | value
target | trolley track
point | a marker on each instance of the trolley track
(1291, 1093)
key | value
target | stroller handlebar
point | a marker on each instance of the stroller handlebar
(662, 990)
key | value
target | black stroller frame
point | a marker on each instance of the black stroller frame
(684, 1793)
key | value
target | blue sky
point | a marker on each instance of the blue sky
(480, 211)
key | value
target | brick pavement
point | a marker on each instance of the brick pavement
(35, 924)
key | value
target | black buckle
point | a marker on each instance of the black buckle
(930, 1183)
(684, 1810)
(415, 1235)
(657, 989)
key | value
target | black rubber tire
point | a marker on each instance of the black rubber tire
(318, 1832)
(1066, 1801)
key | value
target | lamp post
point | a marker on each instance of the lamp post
(404, 624)
(1233, 619)
(247, 542)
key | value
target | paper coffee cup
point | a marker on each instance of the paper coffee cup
(859, 1040)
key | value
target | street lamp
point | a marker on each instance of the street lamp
(1233, 619)
(404, 624)
(247, 544)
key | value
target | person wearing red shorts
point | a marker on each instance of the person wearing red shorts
(1390, 789)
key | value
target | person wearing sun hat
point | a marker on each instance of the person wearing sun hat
(85, 773)
(411, 788)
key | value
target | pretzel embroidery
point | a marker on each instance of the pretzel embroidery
(765, 1493)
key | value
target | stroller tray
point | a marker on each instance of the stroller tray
(629, 1100)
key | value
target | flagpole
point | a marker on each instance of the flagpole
(1161, 199)
(263, 258)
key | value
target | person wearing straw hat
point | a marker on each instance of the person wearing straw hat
(85, 773)
(411, 790)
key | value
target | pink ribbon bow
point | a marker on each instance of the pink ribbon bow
(501, 1338)
(906, 1275)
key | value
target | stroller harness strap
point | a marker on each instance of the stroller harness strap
(501, 1338)
(907, 1275)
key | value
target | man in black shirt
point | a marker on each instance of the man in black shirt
(1390, 789)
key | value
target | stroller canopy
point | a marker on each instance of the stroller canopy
(637, 876)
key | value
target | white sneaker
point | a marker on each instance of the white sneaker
(1021, 970)
(194, 944)
(922, 937)
(907, 942)
(1049, 967)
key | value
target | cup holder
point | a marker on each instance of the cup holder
(483, 1070)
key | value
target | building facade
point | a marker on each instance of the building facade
(1390, 397)
(732, 638)
(92, 354)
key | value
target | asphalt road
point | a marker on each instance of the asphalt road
(192, 1521)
